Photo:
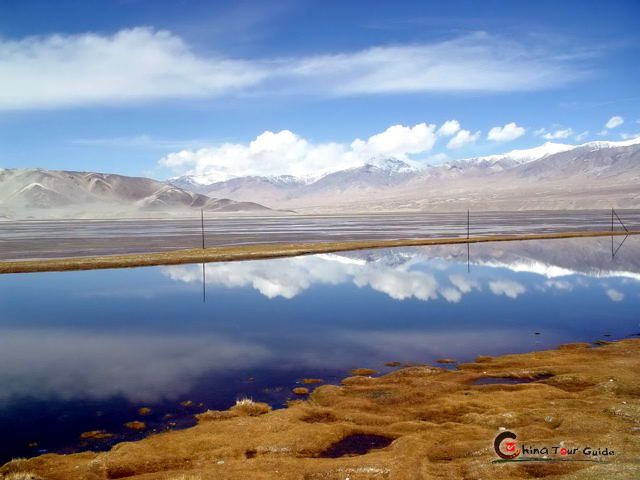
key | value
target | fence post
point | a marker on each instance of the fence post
(202, 224)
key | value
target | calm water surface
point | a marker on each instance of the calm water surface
(84, 351)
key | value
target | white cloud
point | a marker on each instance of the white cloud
(476, 62)
(629, 136)
(509, 132)
(615, 295)
(554, 135)
(614, 122)
(144, 64)
(448, 128)
(463, 138)
(397, 141)
(509, 288)
(581, 136)
(130, 65)
(284, 152)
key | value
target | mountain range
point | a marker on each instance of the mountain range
(42, 193)
(551, 176)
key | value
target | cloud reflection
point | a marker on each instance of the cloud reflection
(288, 277)
(141, 367)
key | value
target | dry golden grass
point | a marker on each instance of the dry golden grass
(21, 476)
(248, 407)
(136, 425)
(312, 381)
(252, 252)
(95, 434)
(364, 372)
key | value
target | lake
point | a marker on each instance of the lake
(83, 351)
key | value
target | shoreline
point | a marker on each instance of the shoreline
(421, 421)
(265, 251)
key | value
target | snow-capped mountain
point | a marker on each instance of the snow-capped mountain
(378, 173)
(552, 175)
(512, 158)
(49, 193)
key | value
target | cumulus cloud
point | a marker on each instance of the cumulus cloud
(614, 122)
(463, 138)
(555, 134)
(449, 128)
(508, 288)
(145, 64)
(284, 152)
(509, 132)
(397, 141)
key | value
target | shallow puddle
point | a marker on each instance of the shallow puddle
(356, 445)
(508, 380)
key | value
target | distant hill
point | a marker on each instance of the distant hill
(43, 193)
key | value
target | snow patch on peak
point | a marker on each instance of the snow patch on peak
(608, 144)
(391, 165)
(530, 154)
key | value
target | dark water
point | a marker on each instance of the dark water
(84, 351)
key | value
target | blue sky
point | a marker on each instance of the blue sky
(164, 88)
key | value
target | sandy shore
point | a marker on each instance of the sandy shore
(253, 252)
(428, 422)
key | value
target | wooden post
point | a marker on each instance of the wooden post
(202, 224)
(467, 224)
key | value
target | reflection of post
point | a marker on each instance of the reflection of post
(612, 254)
(204, 285)
(615, 252)
(468, 265)
(202, 224)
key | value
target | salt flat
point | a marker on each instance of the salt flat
(70, 238)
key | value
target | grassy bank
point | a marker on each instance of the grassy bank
(259, 251)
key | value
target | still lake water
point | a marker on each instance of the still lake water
(84, 351)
